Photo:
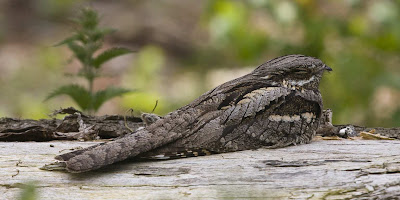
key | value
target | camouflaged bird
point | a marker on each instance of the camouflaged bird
(277, 105)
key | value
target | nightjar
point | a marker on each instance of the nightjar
(277, 105)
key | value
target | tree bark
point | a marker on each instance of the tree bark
(74, 126)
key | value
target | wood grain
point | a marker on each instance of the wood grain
(333, 169)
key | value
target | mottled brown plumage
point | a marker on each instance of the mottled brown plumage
(276, 105)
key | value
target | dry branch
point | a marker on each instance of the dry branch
(69, 128)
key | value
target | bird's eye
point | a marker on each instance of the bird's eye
(300, 71)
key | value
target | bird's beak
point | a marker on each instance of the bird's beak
(327, 68)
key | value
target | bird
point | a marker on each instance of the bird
(277, 105)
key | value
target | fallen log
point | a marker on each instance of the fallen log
(324, 169)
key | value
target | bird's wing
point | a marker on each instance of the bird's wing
(253, 102)
(212, 131)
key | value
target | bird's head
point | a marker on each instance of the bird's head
(294, 71)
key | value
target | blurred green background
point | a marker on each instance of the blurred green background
(185, 48)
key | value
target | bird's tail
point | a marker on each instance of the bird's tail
(163, 131)
(100, 155)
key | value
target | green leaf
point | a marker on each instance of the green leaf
(29, 191)
(106, 31)
(78, 50)
(102, 96)
(89, 18)
(108, 55)
(99, 34)
(68, 40)
(78, 93)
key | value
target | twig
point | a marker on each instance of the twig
(126, 124)
(155, 106)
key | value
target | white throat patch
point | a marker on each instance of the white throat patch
(301, 82)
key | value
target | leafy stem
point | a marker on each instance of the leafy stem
(84, 43)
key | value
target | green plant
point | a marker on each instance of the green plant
(28, 191)
(84, 43)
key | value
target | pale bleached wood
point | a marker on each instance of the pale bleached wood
(332, 169)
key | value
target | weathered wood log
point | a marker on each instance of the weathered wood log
(334, 169)
(324, 169)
